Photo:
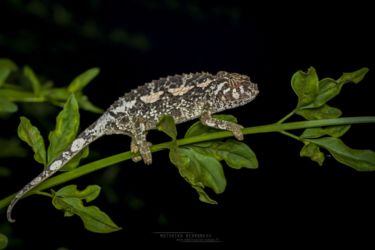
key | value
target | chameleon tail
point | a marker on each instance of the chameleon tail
(85, 138)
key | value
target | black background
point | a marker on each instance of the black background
(288, 201)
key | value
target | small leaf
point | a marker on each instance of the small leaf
(57, 94)
(90, 193)
(8, 64)
(3, 241)
(70, 199)
(7, 106)
(305, 85)
(198, 169)
(93, 218)
(167, 125)
(178, 158)
(334, 131)
(67, 124)
(354, 77)
(16, 95)
(85, 104)
(312, 151)
(323, 112)
(4, 73)
(203, 196)
(6, 67)
(97, 221)
(31, 135)
(82, 80)
(35, 83)
(203, 169)
(236, 154)
(361, 160)
(329, 88)
(198, 128)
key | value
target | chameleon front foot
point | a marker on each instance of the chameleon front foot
(236, 130)
(212, 122)
(141, 152)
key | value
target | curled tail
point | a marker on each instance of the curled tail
(85, 138)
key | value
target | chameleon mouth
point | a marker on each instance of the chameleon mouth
(254, 88)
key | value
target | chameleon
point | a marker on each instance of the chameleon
(184, 97)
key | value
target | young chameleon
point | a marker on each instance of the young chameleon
(184, 97)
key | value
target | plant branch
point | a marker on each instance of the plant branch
(44, 193)
(276, 127)
(287, 116)
(291, 135)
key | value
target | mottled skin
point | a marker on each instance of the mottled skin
(184, 97)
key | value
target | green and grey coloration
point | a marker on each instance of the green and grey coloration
(184, 97)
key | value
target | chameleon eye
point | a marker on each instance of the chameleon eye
(222, 73)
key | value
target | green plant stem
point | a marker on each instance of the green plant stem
(276, 127)
(44, 194)
(291, 135)
(287, 116)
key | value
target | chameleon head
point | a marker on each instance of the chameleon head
(236, 88)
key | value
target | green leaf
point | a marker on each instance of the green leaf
(4, 73)
(361, 160)
(7, 106)
(334, 131)
(167, 125)
(82, 80)
(74, 162)
(6, 67)
(306, 86)
(70, 199)
(57, 94)
(236, 154)
(329, 88)
(313, 93)
(96, 220)
(198, 128)
(85, 104)
(31, 135)
(3, 241)
(312, 151)
(354, 77)
(35, 83)
(323, 112)
(203, 196)
(8, 64)
(93, 218)
(198, 169)
(16, 95)
(90, 193)
(67, 124)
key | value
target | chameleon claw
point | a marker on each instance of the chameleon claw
(146, 153)
(236, 130)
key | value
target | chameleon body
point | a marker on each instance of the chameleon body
(184, 97)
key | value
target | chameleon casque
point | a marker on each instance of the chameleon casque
(184, 97)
